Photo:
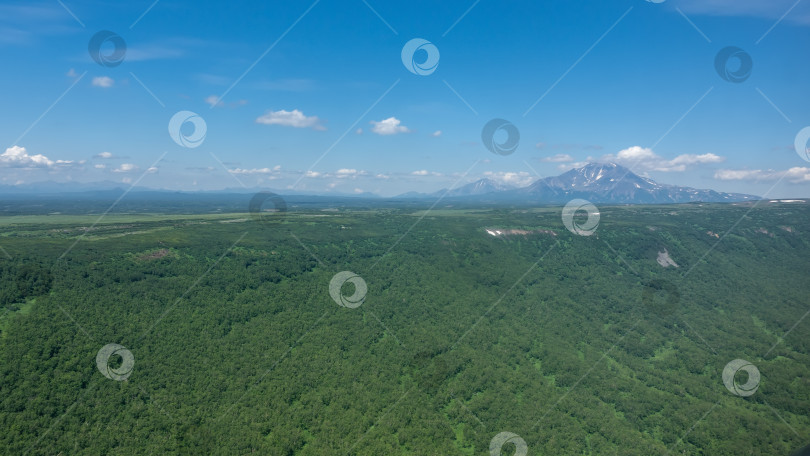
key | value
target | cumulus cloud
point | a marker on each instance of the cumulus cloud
(18, 157)
(274, 170)
(343, 173)
(644, 158)
(794, 175)
(346, 173)
(125, 168)
(515, 179)
(424, 172)
(103, 82)
(692, 159)
(389, 126)
(294, 118)
(104, 155)
(559, 158)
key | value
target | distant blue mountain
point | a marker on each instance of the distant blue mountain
(596, 182)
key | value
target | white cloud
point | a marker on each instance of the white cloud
(518, 179)
(313, 174)
(389, 126)
(103, 82)
(692, 159)
(99, 166)
(125, 168)
(352, 173)
(559, 158)
(72, 73)
(17, 157)
(213, 100)
(104, 155)
(424, 172)
(436, 133)
(739, 174)
(636, 153)
(359, 131)
(152, 169)
(794, 175)
(273, 170)
(294, 118)
(645, 159)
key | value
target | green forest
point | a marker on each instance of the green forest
(229, 339)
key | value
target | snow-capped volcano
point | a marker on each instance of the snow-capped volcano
(595, 182)
(612, 183)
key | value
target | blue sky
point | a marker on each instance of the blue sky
(314, 96)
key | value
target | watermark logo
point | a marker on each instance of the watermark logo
(733, 64)
(661, 296)
(188, 140)
(500, 127)
(730, 378)
(336, 287)
(121, 372)
(498, 442)
(99, 48)
(255, 207)
(800, 143)
(586, 228)
(420, 64)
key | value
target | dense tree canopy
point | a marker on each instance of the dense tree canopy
(576, 344)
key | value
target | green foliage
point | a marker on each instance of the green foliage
(576, 344)
(21, 280)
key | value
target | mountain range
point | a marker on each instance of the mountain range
(595, 182)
